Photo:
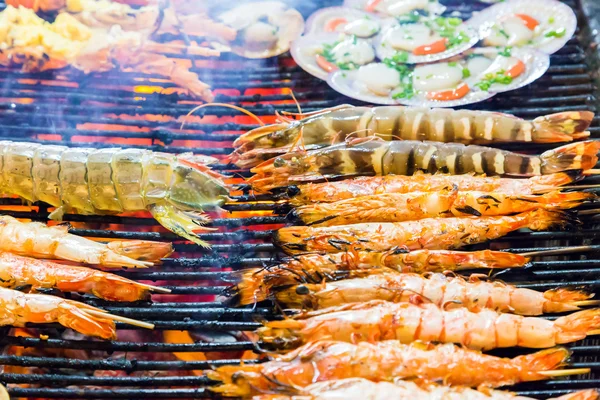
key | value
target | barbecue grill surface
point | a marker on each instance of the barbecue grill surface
(117, 108)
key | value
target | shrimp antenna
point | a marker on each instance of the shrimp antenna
(134, 322)
(240, 109)
(296, 101)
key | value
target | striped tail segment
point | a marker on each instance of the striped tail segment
(562, 127)
(582, 155)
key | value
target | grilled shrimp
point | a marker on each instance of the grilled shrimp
(429, 233)
(363, 389)
(377, 157)
(381, 320)
(407, 123)
(18, 309)
(55, 242)
(328, 192)
(445, 291)
(384, 361)
(174, 189)
(17, 271)
(398, 207)
(259, 284)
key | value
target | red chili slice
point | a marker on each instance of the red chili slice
(444, 95)
(432, 48)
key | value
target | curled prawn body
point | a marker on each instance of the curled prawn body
(174, 189)
(18, 309)
(260, 284)
(380, 320)
(383, 361)
(37, 240)
(328, 192)
(376, 157)
(440, 289)
(17, 271)
(398, 207)
(407, 123)
(428, 233)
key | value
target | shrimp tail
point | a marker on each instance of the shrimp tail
(581, 155)
(75, 316)
(553, 181)
(142, 250)
(544, 360)
(565, 299)
(541, 220)
(578, 325)
(557, 199)
(181, 223)
(562, 127)
(589, 394)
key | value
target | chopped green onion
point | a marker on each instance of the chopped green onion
(466, 72)
(506, 52)
(558, 33)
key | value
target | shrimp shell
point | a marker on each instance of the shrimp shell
(378, 157)
(383, 361)
(37, 240)
(19, 309)
(398, 207)
(361, 389)
(331, 126)
(328, 192)
(260, 284)
(380, 320)
(429, 233)
(442, 290)
(17, 271)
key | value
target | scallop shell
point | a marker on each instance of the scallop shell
(543, 10)
(345, 82)
(289, 22)
(315, 24)
(303, 52)
(433, 7)
(536, 63)
(386, 51)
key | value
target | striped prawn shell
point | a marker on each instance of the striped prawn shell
(90, 181)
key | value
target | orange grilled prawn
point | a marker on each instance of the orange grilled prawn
(429, 233)
(16, 271)
(259, 284)
(380, 320)
(398, 207)
(360, 389)
(385, 361)
(328, 192)
(19, 309)
(440, 289)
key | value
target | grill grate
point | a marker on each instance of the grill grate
(124, 108)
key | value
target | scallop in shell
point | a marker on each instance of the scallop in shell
(425, 39)
(321, 54)
(395, 8)
(546, 25)
(264, 28)
(343, 20)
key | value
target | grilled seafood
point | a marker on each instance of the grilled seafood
(442, 290)
(17, 271)
(384, 361)
(18, 309)
(260, 284)
(335, 125)
(174, 189)
(381, 320)
(398, 207)
(360, 389)
(328, 192)
(377, 157)
(36, 45)
(428, 233)
(40, 241)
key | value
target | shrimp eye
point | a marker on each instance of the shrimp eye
(279, 162)
(302, 290)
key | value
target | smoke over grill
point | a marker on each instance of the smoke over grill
(124, 108)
